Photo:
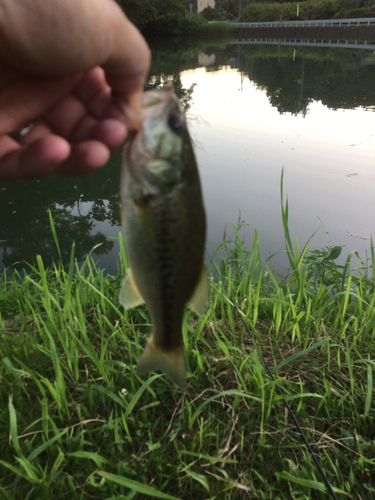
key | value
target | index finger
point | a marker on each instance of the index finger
(129, 59)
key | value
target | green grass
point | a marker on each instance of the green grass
(217, 29)
(76, 422)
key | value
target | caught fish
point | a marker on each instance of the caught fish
(164, 229)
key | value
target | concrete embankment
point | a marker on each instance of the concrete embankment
(352, 33)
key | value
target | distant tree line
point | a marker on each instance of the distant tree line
(263, 10)
(225, 10)
(291, 11)
(162, 17)
(171, 18)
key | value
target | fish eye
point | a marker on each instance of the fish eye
(175, 121)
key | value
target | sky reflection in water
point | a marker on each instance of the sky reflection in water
(243, 144)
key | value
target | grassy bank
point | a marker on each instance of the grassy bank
(76, 422)
(212, 30)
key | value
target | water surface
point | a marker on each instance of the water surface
(253, 110)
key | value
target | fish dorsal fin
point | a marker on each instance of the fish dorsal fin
(170, 362)
(200, 299)
(129, 294)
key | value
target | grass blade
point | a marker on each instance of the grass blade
(135, 485)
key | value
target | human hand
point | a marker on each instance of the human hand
(59, 62)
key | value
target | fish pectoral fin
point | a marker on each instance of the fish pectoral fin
(129, 294)
(172, 363)
(200, 299)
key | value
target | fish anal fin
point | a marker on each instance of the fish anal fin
(129, 294)
(200, 300)
(171, 362)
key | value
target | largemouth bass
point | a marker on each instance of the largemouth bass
(164, 229)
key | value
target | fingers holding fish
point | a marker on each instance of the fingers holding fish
(95, 115)
(40, 157)
(73, 135)
(41, 151)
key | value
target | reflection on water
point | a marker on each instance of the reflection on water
(253, 109)
(78, 207)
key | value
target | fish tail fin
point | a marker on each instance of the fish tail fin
(171, 362)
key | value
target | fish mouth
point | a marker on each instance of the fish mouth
(160, 95)
(135, 107)
(131, 108)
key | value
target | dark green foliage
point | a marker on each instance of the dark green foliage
(356, 8)
(230, 7)
(355, 13)
(175, 24)
(321, 266)
(324, 9)
(140, 12)
(319, 9)
(211, 14)
(171, 17)
(259, 12)
(162, 17)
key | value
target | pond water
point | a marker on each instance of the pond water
(253, 110)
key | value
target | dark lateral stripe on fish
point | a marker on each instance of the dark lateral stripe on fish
(164, 228)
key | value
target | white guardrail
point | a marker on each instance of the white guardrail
(364, 21)
(312, 43)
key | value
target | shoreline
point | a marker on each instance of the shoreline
(363, 33)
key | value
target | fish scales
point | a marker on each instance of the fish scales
(164, 230)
